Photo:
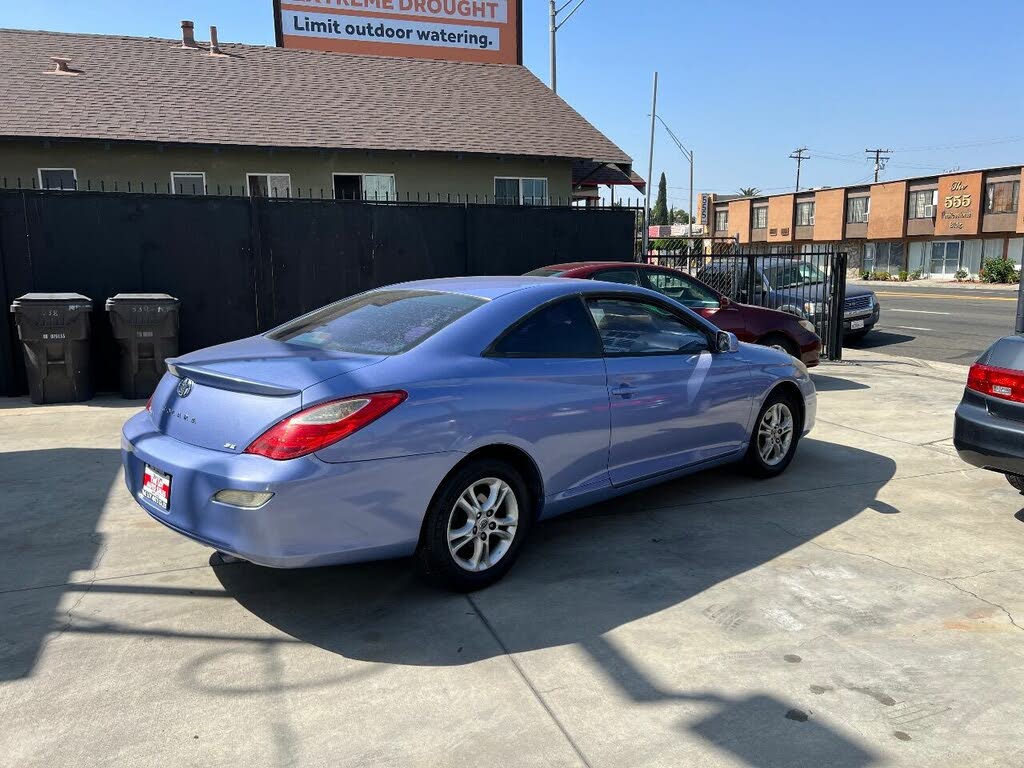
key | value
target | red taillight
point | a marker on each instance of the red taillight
(320, 426)
(997, 382)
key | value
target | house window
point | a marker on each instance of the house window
(513, 191)
(58, 178)
(805, 214)
(922, 204)
(721, 221)
(760, 218)
(269, 184)
(365, 186)
(188, 183)
(857, 210)
(1001, 196)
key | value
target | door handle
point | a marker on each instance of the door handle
(624, 390)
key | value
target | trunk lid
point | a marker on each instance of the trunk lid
(224, 397)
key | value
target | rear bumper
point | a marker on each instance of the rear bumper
(988, 441)
(320, 514)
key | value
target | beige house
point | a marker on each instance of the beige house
(103, 112)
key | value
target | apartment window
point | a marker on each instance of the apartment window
(58, 178)
(721, 221)
(922, 204)
(365, 186)
(805, 214)
(516, 191)
(760, 218)
(269, 184)
(857, 210)
(1001, 196)
(188, 183)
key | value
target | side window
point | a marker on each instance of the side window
(560, 330)
(621, 276)
(635, 328)
(685, 290)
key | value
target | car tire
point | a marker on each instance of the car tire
(1016, 481)
(771, 447)
(782, 343)
(442, 559)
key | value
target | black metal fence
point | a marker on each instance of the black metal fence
(811, 286)
(241, 265)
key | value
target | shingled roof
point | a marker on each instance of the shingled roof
(154, 90)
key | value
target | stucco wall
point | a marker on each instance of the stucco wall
(98, 162)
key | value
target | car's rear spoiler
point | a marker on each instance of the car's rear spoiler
(231, 383)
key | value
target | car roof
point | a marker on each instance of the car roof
(494, 287)
(574, 265)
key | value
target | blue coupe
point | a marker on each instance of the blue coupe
(445, 417)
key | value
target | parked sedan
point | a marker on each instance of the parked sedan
(445, 417)
(989, 424)
(757, 325)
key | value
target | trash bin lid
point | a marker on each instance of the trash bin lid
(141, 297)
(76, 299)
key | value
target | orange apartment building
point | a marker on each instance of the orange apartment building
(936, 226)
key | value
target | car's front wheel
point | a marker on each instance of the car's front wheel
(776, 434)
(1016, 481)
(783, 344)
(476, 525)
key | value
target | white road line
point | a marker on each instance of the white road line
(908, 328)
(918, 311)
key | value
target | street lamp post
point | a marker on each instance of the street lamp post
(553, 29)
(689, 156)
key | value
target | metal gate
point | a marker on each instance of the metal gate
(810, 285)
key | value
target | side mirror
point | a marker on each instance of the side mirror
(727, 342)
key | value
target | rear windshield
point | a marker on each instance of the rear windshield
(1005, 353)
(545, 272)
(378, 323)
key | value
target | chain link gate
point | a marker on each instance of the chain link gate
(810, 285)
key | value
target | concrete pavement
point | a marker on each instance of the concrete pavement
(863, 610)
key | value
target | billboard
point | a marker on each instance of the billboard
(486, 31)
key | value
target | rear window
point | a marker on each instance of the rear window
(1005, 353)
(378, 323)
(545, 272)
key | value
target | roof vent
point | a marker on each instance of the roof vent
(61, 66)
(214, 44)
(188, 34)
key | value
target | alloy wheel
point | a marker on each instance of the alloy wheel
(775, 434)
(483, 524)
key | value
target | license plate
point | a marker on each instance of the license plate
(856, 325)
(156, 486)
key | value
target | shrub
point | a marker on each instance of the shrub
(903, 276)
(999, 271)
(865, 275)
(917, 274)
(961, 275)
(881, 276)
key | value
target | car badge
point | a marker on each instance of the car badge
(185, 387)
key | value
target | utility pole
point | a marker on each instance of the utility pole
(881, 157)
(553, 28)
(650, 168)
(799, 156)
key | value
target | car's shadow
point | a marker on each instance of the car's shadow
(581, 575)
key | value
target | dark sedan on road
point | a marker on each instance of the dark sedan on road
(989, 425)
(756, 325)
(796, 286)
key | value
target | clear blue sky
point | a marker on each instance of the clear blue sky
(743, 83)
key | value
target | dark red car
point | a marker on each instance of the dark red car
(757, 325)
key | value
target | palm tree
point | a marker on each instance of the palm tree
(749, 191)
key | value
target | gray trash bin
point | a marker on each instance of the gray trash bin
(54, 331)
(146, 328)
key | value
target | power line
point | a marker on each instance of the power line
(798, 155)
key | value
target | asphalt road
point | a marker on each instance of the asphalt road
(948, 325)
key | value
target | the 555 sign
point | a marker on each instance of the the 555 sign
(486, 31)
(959, 214)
